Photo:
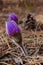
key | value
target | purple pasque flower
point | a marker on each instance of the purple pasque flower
(13, 17)
(12, 28)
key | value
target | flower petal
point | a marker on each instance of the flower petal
(13, 16)
(12, 28)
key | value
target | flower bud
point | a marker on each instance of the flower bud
(13, 17)
(12, 28)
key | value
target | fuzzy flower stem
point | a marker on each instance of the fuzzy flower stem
(18, 46)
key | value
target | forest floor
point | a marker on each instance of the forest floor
(12, 53)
